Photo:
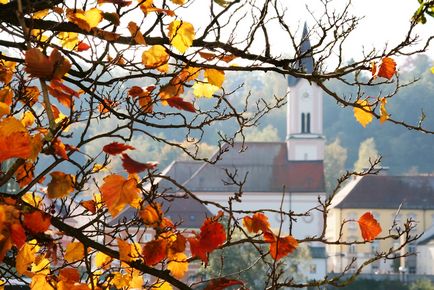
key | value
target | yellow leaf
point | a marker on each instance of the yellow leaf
(136, 282)
(215, 77)
(40, 14)
(28, 119)
(74, 252)
(135, 33)
(4, 109)
(119, 280)
(102, 260)
(86, 20)
(178, 265)
(204, 89)
(68, 40)
(13, 132)
(61, 185)
(39, 282)
(4, 1)
(432, 70)
(161, 286)
(32, 199)
(179, 2)
(41, 266)
(383, 112)
(362, 116)
(26, 256)
(156, 57)
(117, 192)
(181, 35)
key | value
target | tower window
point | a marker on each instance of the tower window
(305, 122)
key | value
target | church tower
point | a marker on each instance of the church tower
(305, 140)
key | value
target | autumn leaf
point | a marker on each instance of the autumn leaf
(179, 2)
(18, 235)
(212, 235)
(117, 192)
(201, 89)
(135, 33)
(258, 222)
(26, 256)
(387, 68)
(222, 283)
(156, 58)
(144, 96)
(215, 77)
(4, 109)
(61, 184)
(59, 148)
(39, 282)
(37, 221)
(28, 119)
(369, 227)
(24, 174)
(132, 166)
(384, 115)
(178, 265)
(74, 252)
(115, 148)
(90, 205)
(86, 20)
(280, 246)
(362, 116)
(124, 250)
(154, 251)
(179, 103)
(181, 35)
(82, 46)
(68, 40)
(102, 260)
(13, 132)
(40, 66)
(62, 93)
(152, 214)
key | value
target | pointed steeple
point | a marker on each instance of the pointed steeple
(306, 63)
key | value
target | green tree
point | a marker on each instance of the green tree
(423, 284)
(335, 157)
(367, 154)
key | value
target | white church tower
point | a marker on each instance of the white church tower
(304, 137)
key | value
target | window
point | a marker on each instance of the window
(308, 123)
(412, 248)
(352, 249)
(305, 122)
(312, 268)
(303, 125)
(412, 270)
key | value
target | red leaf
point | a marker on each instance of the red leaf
(212, 235)
(369, 227)
(154, 252)
(132, 166)
(18, 235)
(83, 46)
(90, 205)
(259, 222)
(280, 247)
(37, 222)
(386, 69)
(179, 103)
(222, 283)
(116, 148)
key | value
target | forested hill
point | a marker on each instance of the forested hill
(402, 150)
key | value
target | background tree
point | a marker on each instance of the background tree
(335, 156)
(85, 81)
(367, 154)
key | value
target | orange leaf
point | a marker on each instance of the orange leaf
(13, 132)
(154, 251)
(115, 148)
(135, 33)
(90, 205)
(82, 46)
(59, 148)
(40, 66)
(178, 264)
(70, 275)
(386, 69)
(152, 215)
(18, 235)
(24, 174)
(132, 166)
(384, 115)
(37, 222)
(74, 252)
(369, 227)
(212, 235)
(124, 250)
(259, 222)
(117, 192)
(61, 185)
(62, 93)
(222, 283)
(144, 96)
(106, 104)
(280, 246)
(180, 104)
(215, 77)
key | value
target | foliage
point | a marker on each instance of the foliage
(421, 285)
(335, 156)
(84, 83)
(367, 154)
